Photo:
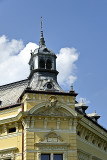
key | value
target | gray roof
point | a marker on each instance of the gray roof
(10, 93)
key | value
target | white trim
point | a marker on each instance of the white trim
(8, 149)
(7, 117)
(9, 110)
(9, 135)
(35, 151)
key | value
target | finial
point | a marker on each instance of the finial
(82, 101)
(41, 23)
(71, 88)
(42, 41)
(31, 51)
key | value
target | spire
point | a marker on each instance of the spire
(42, 41)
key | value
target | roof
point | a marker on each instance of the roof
(10, 93)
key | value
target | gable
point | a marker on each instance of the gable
(53, 107)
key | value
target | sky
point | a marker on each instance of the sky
(76, 30)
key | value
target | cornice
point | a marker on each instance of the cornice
(92, 127)
(8, 149)
(92, 145)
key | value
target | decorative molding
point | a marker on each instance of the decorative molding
(83, 155)
(9, 135)
(51, 142)
(53, 106)
(86, 133)
(70, 124)
(32, 122)
(93, 127)
(58, 123)
(10, 110)
(47, 130)
(7, 153)
(92, 145)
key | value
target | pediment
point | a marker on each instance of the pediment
(52, 107)
(51, 137)
(52, 141)
(51, 111)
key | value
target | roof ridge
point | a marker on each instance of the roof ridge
(9, 84)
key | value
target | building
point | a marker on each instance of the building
(39, 121)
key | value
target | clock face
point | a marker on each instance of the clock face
(49, 86)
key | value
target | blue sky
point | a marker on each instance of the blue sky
(81, 24)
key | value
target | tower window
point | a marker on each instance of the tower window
(0, 102)
(48, 64)
(42, 63)
(49, 85)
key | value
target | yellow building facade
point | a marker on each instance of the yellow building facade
(39, 121)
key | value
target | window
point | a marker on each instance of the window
(99, 145)
(48, 64)
(78, 133)
(42, 63)
(55, 156)
(105, 148)
(58, 157)
(49, 85)
(45, 156)
(12, 130)
(0, 102)
(93, 141)
(86, 137)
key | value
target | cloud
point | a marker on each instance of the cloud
(9, 48)
(14, 58)
(66, 66)
(81, 99)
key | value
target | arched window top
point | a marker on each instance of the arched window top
(86, 137)
(105, 148)
(78, 133)
(93, 141)
(42, 63)
(99, 145)
(48, 64)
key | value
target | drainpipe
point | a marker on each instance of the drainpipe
(22, 135)
(22, 142)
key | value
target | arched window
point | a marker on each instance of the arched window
(87, 137)
(93, 141)
(78, 133)
(105, 148)
(42, 63)
(99, 145)
(48, 64)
